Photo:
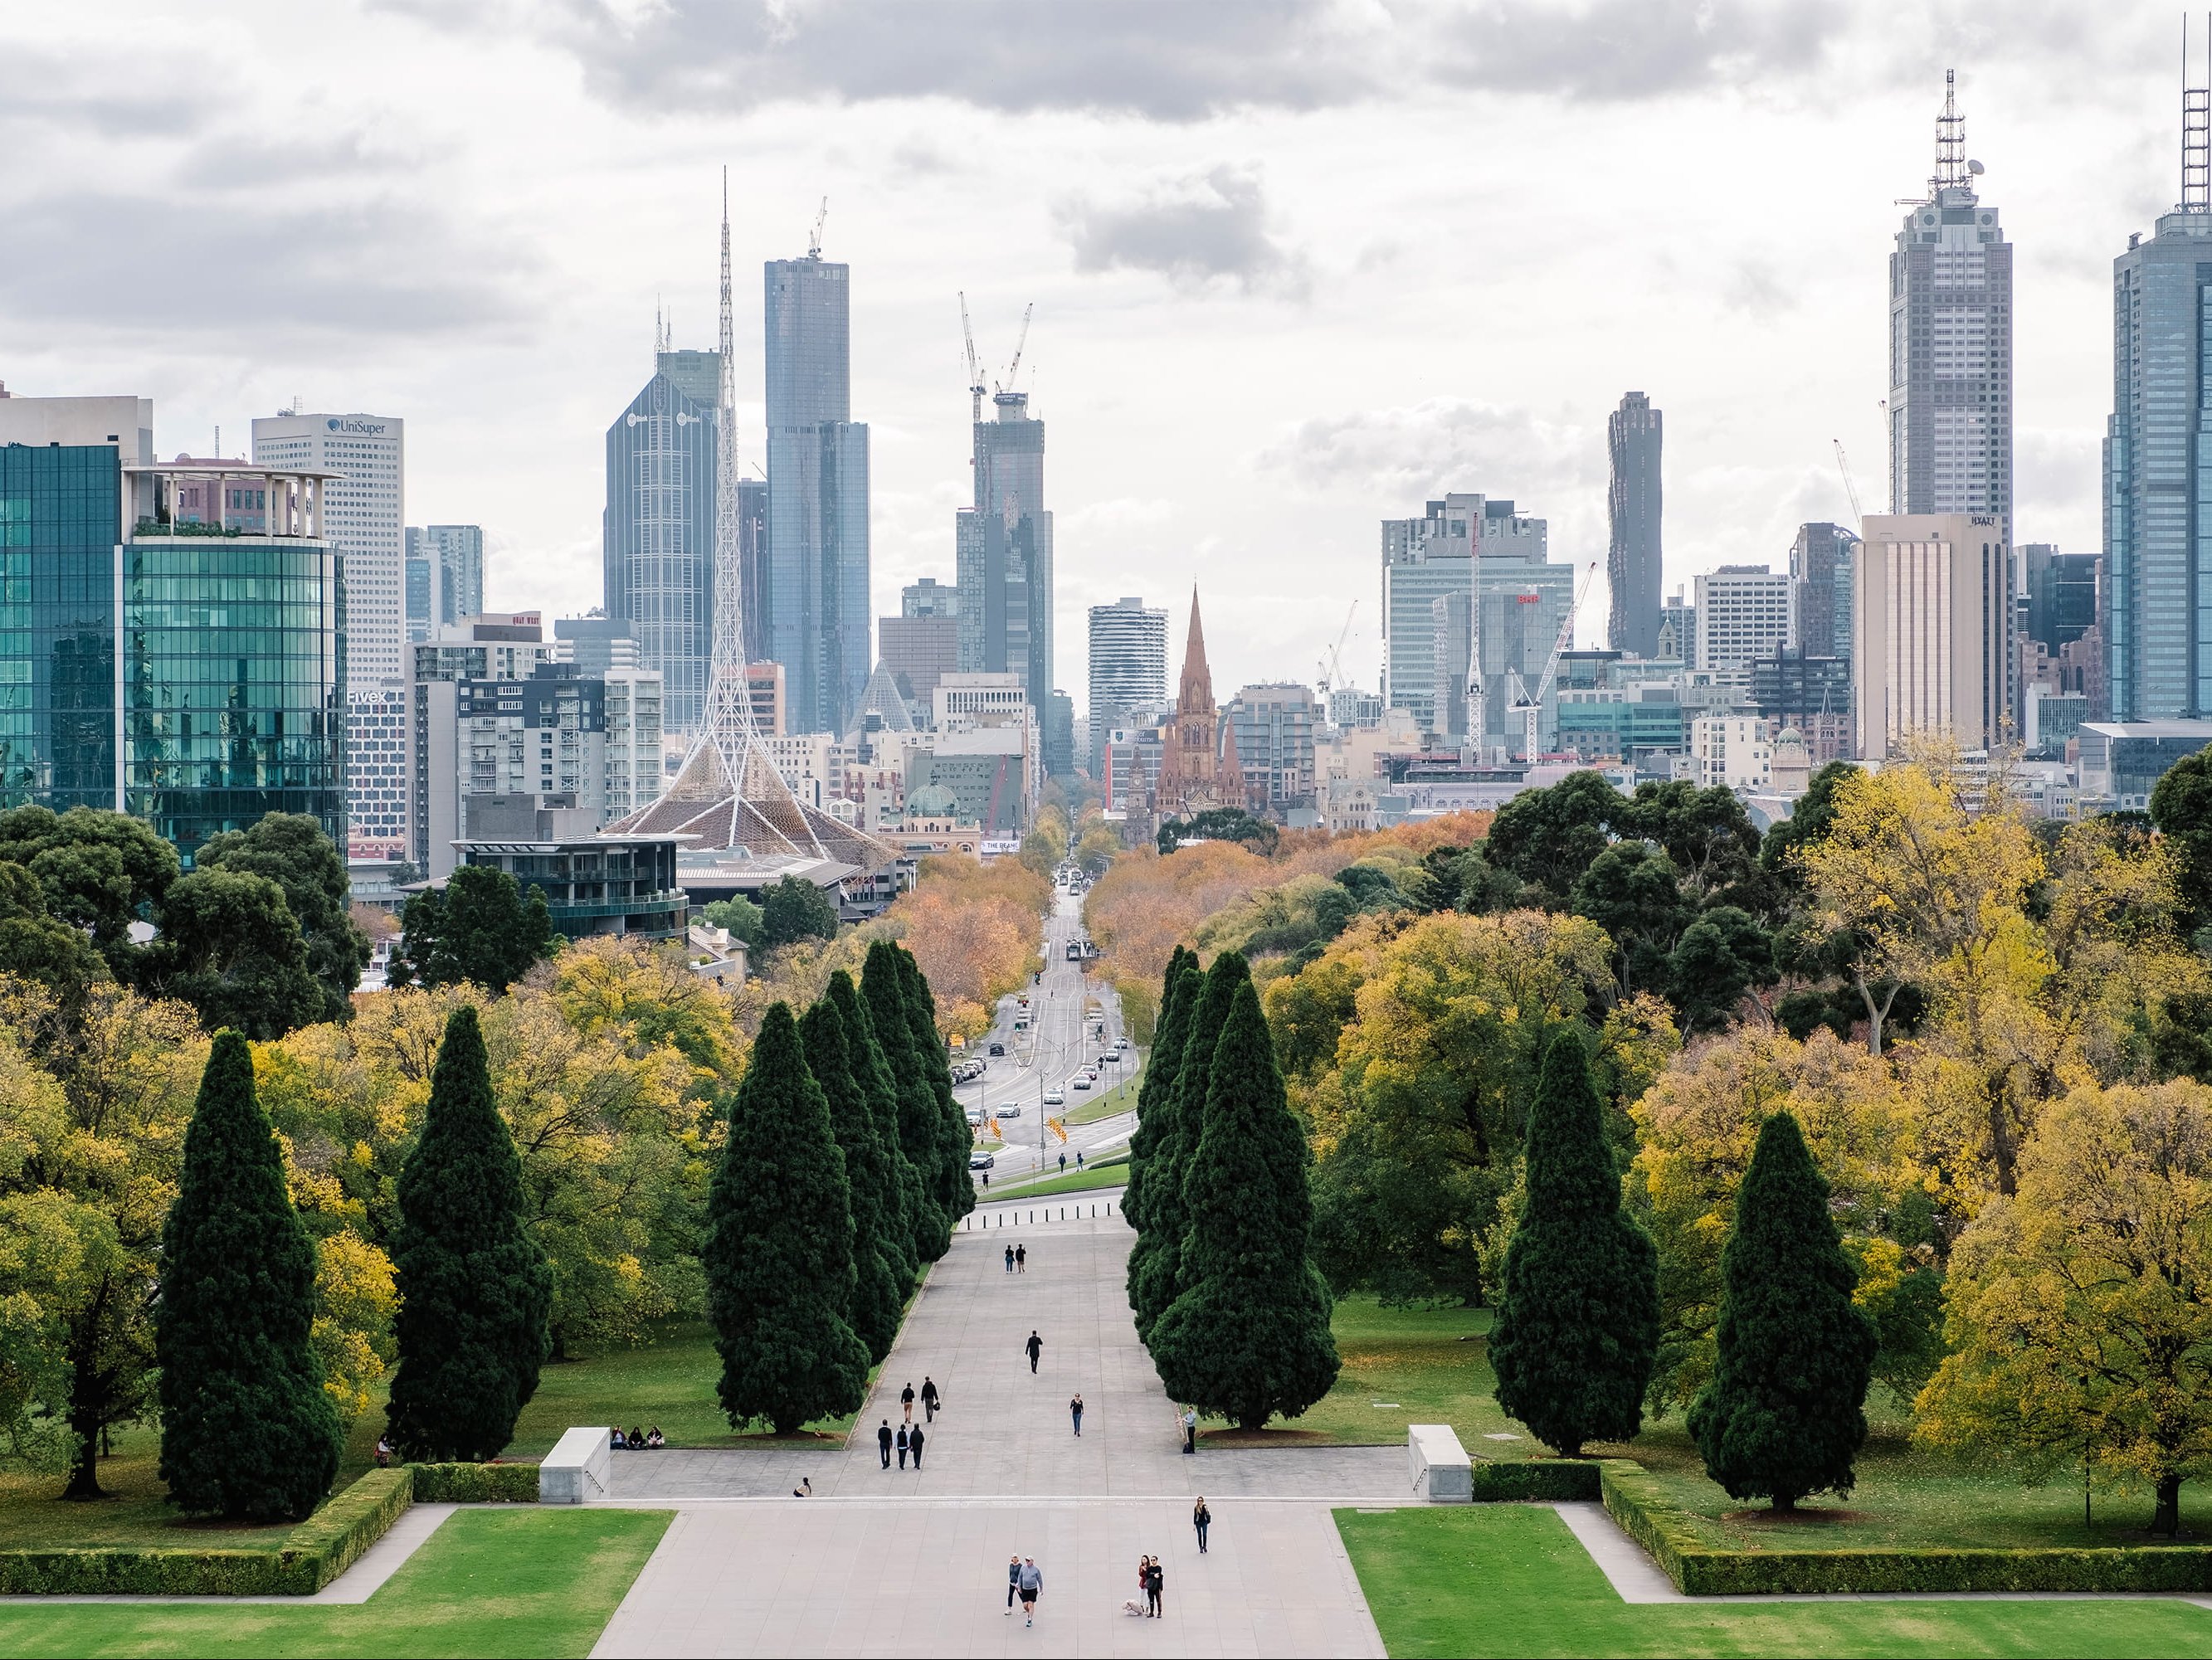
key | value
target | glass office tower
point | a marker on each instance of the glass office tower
(59, 508)
(817, 579)
(659, 534)
(1004, 551)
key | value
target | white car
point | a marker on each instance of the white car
(1052, 1098)
(1008, 1112)
(1079, 1081)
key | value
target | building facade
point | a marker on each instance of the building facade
(1820, 569)
(1004, 550)
(1274, 727)
(816, 588)
(444, 576)
(919, 651)
(1634, 434)
(1128, 643)
(1479, 548)
(1932, 631)
(1743, 613)
(1199, 765)
(657, 535)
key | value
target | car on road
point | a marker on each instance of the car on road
(981, 1161)
(1053, 1098)
(1078, 1082)
(1008, 1112)
(998, 1048)
(1120, 1047)
(975, 1117)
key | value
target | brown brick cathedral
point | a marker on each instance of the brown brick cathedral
(1198, 755)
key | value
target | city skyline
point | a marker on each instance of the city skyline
(1188, 246)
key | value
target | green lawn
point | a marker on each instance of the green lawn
(1509, 1579)
(1122, 1097)
(524, 1581)
(1110, 1172)
(32, 1514)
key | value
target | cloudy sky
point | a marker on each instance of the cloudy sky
(1297, 265)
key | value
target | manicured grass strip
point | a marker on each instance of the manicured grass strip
(523, 1583)
(1512, 1580)
(1106, 1173)
(1122, 1097)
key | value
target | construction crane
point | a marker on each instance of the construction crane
(1021, 340)
(976, 386)
(814, 239)
(1331, 667)
(1531, 706)
(1844, 466)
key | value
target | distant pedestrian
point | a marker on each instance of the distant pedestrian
(884, 1442)
(1145, 1585)
(383, 1453)
(914, 1441)
(1075, 1411)
(1201, 1518)
(1013, 1580)
(986, 1182)
(906, 1402)
(1021, 1259)
(1190, 1429)
(1031, 1584)
(1078, 1158)
(902, 1446)
(930, 1399)
(1063, 1164)
(1010, 1259)
(1156, 1583)
(1034, 1347)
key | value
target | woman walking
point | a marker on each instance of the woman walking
(1201, 1518)
(1075, 1411)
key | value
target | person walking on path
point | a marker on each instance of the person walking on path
(1155, 1583)
(906, 1402)
(884, 1442)
(1075, 1411)
(1021, 1259)
(1201, 1518)
(1063, 1164)
(902, 1446)
(1010, 1259)
(915, 1441)
(1013, 1581)
(929, 1398)
(1031, 1584)
(1033, 1349)
(1190, 1429)
(1144, 1584)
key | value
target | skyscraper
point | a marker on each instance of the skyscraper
(1004, 547)
(1931, 630)
(1950, 345)
(2158, 499)
(659, 532)
(817, 583)
(1128, 663)
(1821, 568)
(444, 576)
(1632, 564)
(1743, 613)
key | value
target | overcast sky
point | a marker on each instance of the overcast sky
(1297, 265)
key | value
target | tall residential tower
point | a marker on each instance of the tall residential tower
(1632, 437)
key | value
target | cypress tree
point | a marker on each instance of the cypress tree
(247, 1429)
(955, 1192)
(475, 1294)
(883, 991)
(1783, 1415)
(876, 1298)
(1156, 1261)
(779, 1253)
(1247, 1336)
(902, 1186)
(1578, 1328)
(1168, 1028)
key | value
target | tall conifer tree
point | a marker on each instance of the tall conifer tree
(955, 1192)
(1248, 1335)
(1157, 1280)
(883, 989)
(247, 1431)
(1168, 1030)
(876, 1301)
(1578, 1328)
(779, 1253)
(475, 1294)
(1784, 1415)
(903, 1191)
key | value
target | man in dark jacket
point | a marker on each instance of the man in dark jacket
(884, 1442)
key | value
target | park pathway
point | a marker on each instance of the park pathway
(901, 1562)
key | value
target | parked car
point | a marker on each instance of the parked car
(981, 1161)
(1008, 1112)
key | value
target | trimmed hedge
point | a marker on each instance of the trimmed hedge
(1698, 1569)
(475, 1484)
(1545, 1480)
(312, 1554)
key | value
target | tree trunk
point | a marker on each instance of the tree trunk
(1785, 1501)
(1874, 1014)
(84, 1468)
(2165, 1519)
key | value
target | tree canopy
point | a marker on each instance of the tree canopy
(480, 929)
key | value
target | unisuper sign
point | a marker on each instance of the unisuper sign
(367, 428)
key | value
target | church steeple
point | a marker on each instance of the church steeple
(1195, 695)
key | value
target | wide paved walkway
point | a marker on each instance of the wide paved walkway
(903, 1562)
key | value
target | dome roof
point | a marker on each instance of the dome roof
(932, 801)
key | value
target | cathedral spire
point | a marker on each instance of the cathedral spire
(1197, 687)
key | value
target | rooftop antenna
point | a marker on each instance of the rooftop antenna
(2196, 129)
(1950, 139)
(814, 238)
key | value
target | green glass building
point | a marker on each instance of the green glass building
(172, 635)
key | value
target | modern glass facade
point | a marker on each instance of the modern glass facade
(817, 585)
(659, 539)
(596, 885)
(59, 509)
(1634, 435)
(233, 700)
(1004, 551)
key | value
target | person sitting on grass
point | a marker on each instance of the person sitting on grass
(637, 1440)
(654, 1438)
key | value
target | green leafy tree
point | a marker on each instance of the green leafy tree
(779, 1254)
(902, 1197)
(739, 915)
(1706, 834)
(1168, 1034)
(1156, 1260)
(481, 929)
(874, 1312)
(2181, 807)
(102, 871)
(1633, 892)
(1720, 956)
(953, 1190)
(1782, 1416)
(883, 989)
(235, 953)
(1220, 824)
(247, 1431)
(1548, 838)
(1807, 823)
(792, 910)
(1577, 1329)
(1248, 1335)
(475, 1292)
(290, 849)
(40, 948)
